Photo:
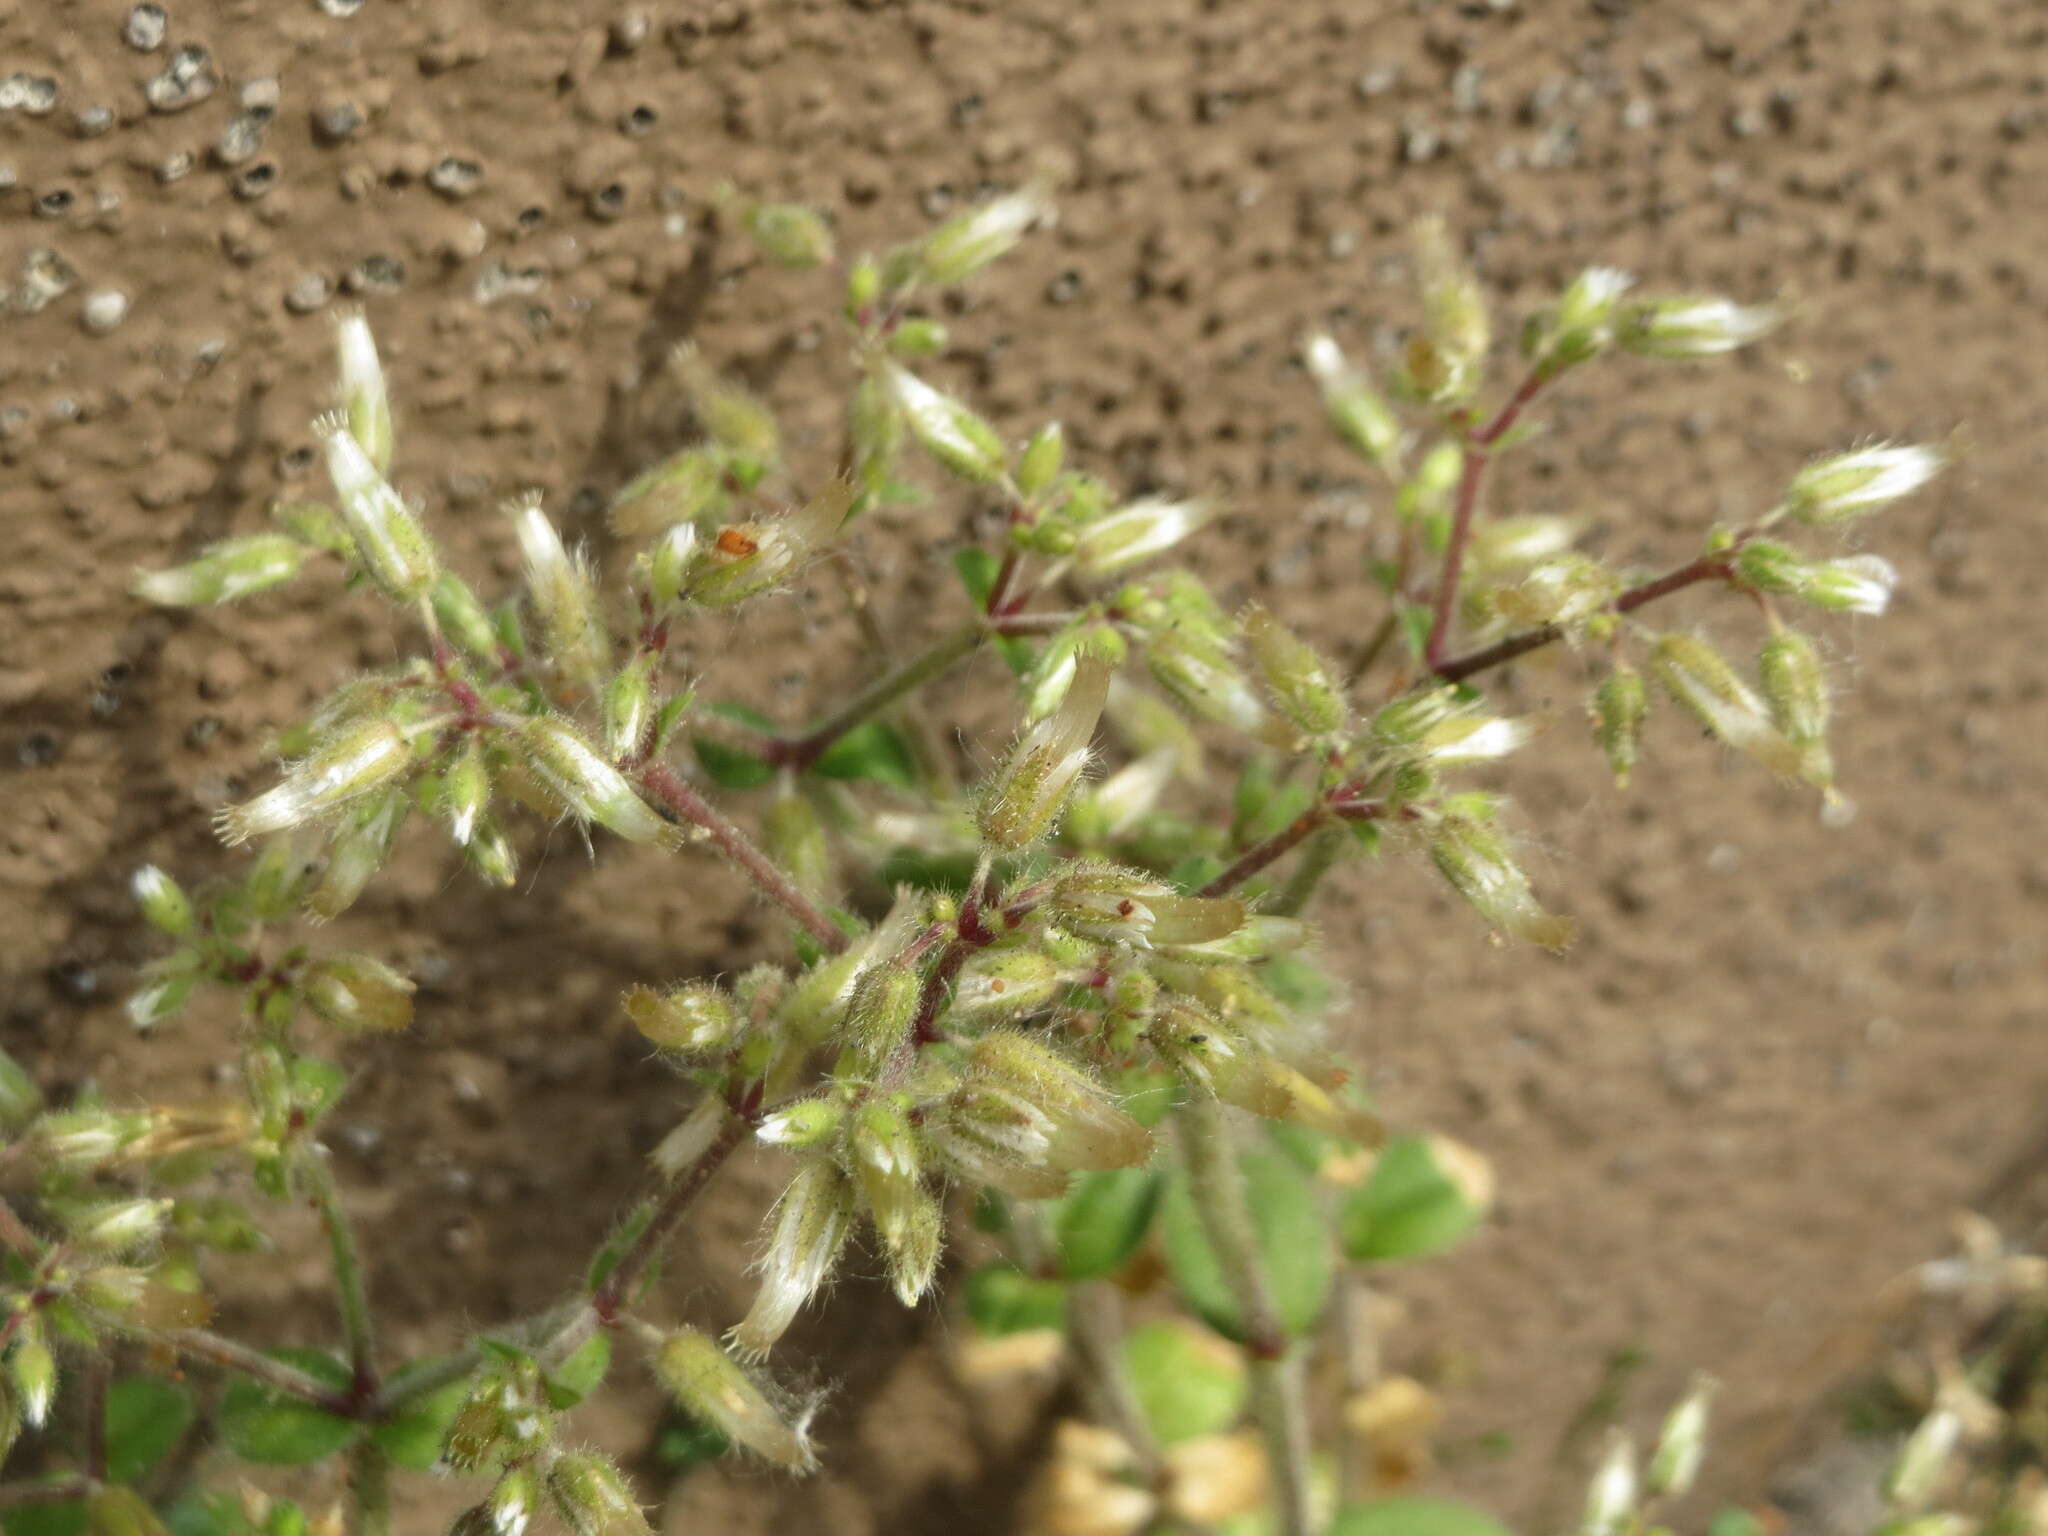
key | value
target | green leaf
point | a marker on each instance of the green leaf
(730, 767)
(745, 714)
(1415, 1517)
(1416, 621)
(1409, 1208)
(577, 1377)
(262, 1426)
(977, 568)
(1188, 1383)
(1102, 1219)
(1287, 1222)
(926, 871)
(145, 1418)
(683, 1444)
(1002, 1299)
(63, 1517)
(206, 1514)
(1735, 1522)
(872, 750)
(413, 1439)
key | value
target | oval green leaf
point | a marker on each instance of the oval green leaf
(1288, 1223)
(1187, 1382)
(145, 1418)
(1409, 1208)
(1415, 1517)
(1103, 1219)
(1002, 1299)
(262, 1426)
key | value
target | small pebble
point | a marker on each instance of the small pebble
(45, 275)
(55, 203)
(627, 32)
(607, 202)
(375, 274)
(262, 95)
(308, 293)
(336, 122)
(104, 311)
(341, 9)
(455, 178)
(175, 166)
(35, 94)
(92, 122)
(186, 81)
(638, 122)
(241, 140)
(255, 181)
(145, 28)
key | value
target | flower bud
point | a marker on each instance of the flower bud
(1296, 676)
(675, 492)
(1206, 680)
(512, 1502)
(1697, 676)
(1926, 1462)
(1466, 740)
(564, 592)
(1444, 363)
(667, 566)
(358, 993)
(887, 1167)
(1006, 984)
(135, 1297)
(629, 708)
(1795, 687)
(713, 1388)
(118, 1226)
(1566, 590)
(19, 1096)
(163, 994)
(794, 835)
(1122, 906)
(224, 572)
(390, 541)
(164, 904)
(951, 433)
(1408, 719)
(802, 1124)
(1359, 412)
(1040, 463)
(1692, 325)
(863, 286)
(1053, 671)
(696, 1016)
(1137, 533)
(882, 1007)
(917, 337)
(1083, 1126)
(790, 234)
(1480, 868)
(491, 855)
(1583, 326)
(1675, 1464)
(1611, 1496)
(462, 618)
(1849, 486)
(33, 1370)
(1620, 706)
(353, 762)
(963, 245)
(80, 1140)
(734, 417)
(466, 791)
(1857, 584)
(592, 1497)
(809, 1228)
(316, 524)
(1025, 796)
(747, 559)
(914, 1250)
(591, 787)
(681, 1148)
(365, 405)
(874, 427)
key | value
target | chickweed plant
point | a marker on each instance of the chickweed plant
(1058, 999)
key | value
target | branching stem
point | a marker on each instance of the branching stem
(350, 1290)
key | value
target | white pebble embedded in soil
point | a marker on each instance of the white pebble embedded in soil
(104, 310)
(145, 28)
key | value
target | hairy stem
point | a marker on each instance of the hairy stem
(802, 751)
(611, 1296)
(20, 1495)
(1706, 568)
(1260, 854)
(99, 1378)
(1317, 860)
(1469, 479)
(1095, 1340)
(1279, 1389)
(15, 1233)
(286, 1380)
(350, 1291)
(369, 1488)
(662, 782)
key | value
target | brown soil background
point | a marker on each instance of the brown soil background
(1780, 1055)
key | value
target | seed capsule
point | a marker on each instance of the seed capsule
(1026, 795)
(1620, 706)
(712, 1387)
(358, 993)
(224, 572)
(591, 787)
(354, 762)
(389, 538)
(951, 433)
(1358, 411)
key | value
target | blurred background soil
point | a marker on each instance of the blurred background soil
(1780, 1056)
